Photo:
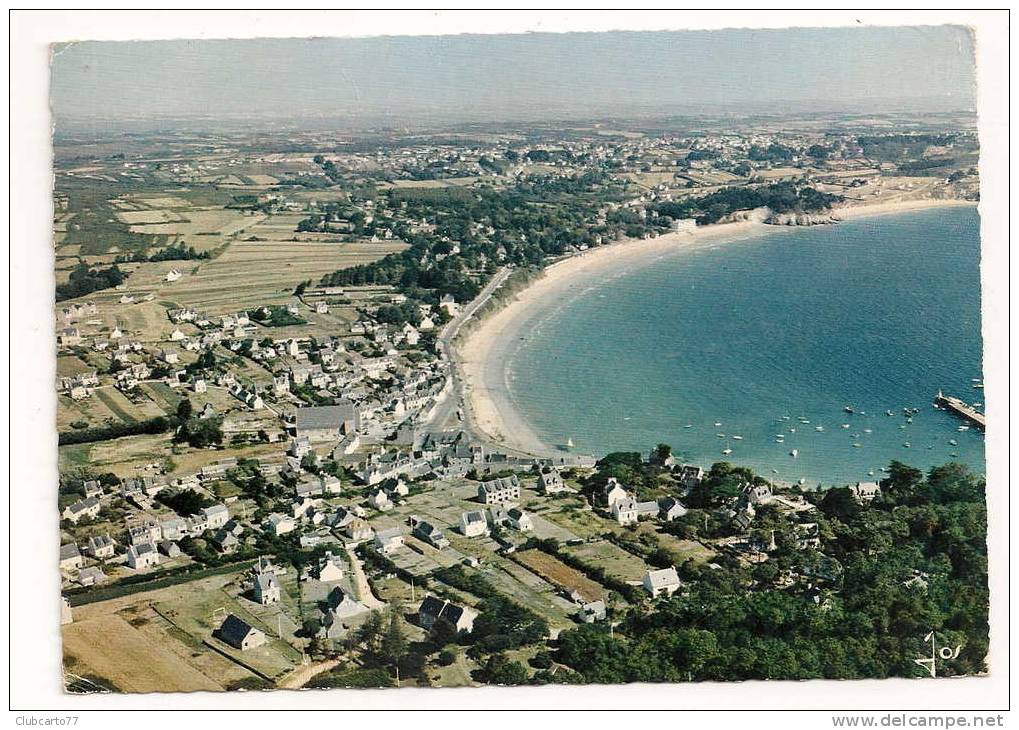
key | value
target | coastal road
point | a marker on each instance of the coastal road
(445, 414)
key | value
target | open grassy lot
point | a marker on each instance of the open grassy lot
(199, 613)
(109, 647)
(126, 642)
(562, 575)
(118, 404)
(68, 365)
(572, 514)
(612, 558)
(686, 549)
(125, 456)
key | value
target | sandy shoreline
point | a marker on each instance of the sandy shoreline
(482, 354)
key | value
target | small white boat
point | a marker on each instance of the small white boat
(794, 453)
(792, 430)
(717, 424)
(726, 452)
(818, 428)
(720, 435)
(867, 430)
(802, 481)
(857, 445)
(892, 413)
(774, 471)
(569, 443)
(909, 420)
(845, 425)
(963, 428)
(737, 438)
(906, 445)
(953, 442)
(870, 473)
(689, 425)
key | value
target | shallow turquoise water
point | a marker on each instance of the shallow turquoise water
(876, 313)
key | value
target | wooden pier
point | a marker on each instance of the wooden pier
(961, 409)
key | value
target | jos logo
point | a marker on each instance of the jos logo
(943, 653)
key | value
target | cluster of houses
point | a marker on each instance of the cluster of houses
(142, 545)
(626, 510)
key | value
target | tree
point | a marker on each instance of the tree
(839, 502)
(184, 410)
(442, 633)
(394, 641)
(660, 454)
(367, 637)
(501, 670)
(309, 462)
(201, 432)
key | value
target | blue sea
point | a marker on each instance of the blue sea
(773, 334)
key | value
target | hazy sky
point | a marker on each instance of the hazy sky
(520, 76)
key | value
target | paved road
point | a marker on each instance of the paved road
(445, 415)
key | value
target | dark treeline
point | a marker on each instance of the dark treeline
(84, 280)
(160, 424)
(911, 562)
(784, 197)
(177, 252)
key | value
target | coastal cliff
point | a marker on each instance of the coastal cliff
(802, 219)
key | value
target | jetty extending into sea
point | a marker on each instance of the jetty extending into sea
(960, 408)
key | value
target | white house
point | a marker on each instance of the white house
(670, 509)
(143, 556)
(865, 491)
(661, 581)
(216, 516)
(239, 634)
(70, 557)
(380, 501)
(388, 541)
(550, 481)
(612, 492)
(520, 520)
(267, 588)
(84, 508)
(473, 524)
(279, 524)
(331, 568)
(625, 511)
(358, 530)
(173, 528)
(101, 547)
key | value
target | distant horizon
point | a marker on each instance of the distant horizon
(434, 80)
